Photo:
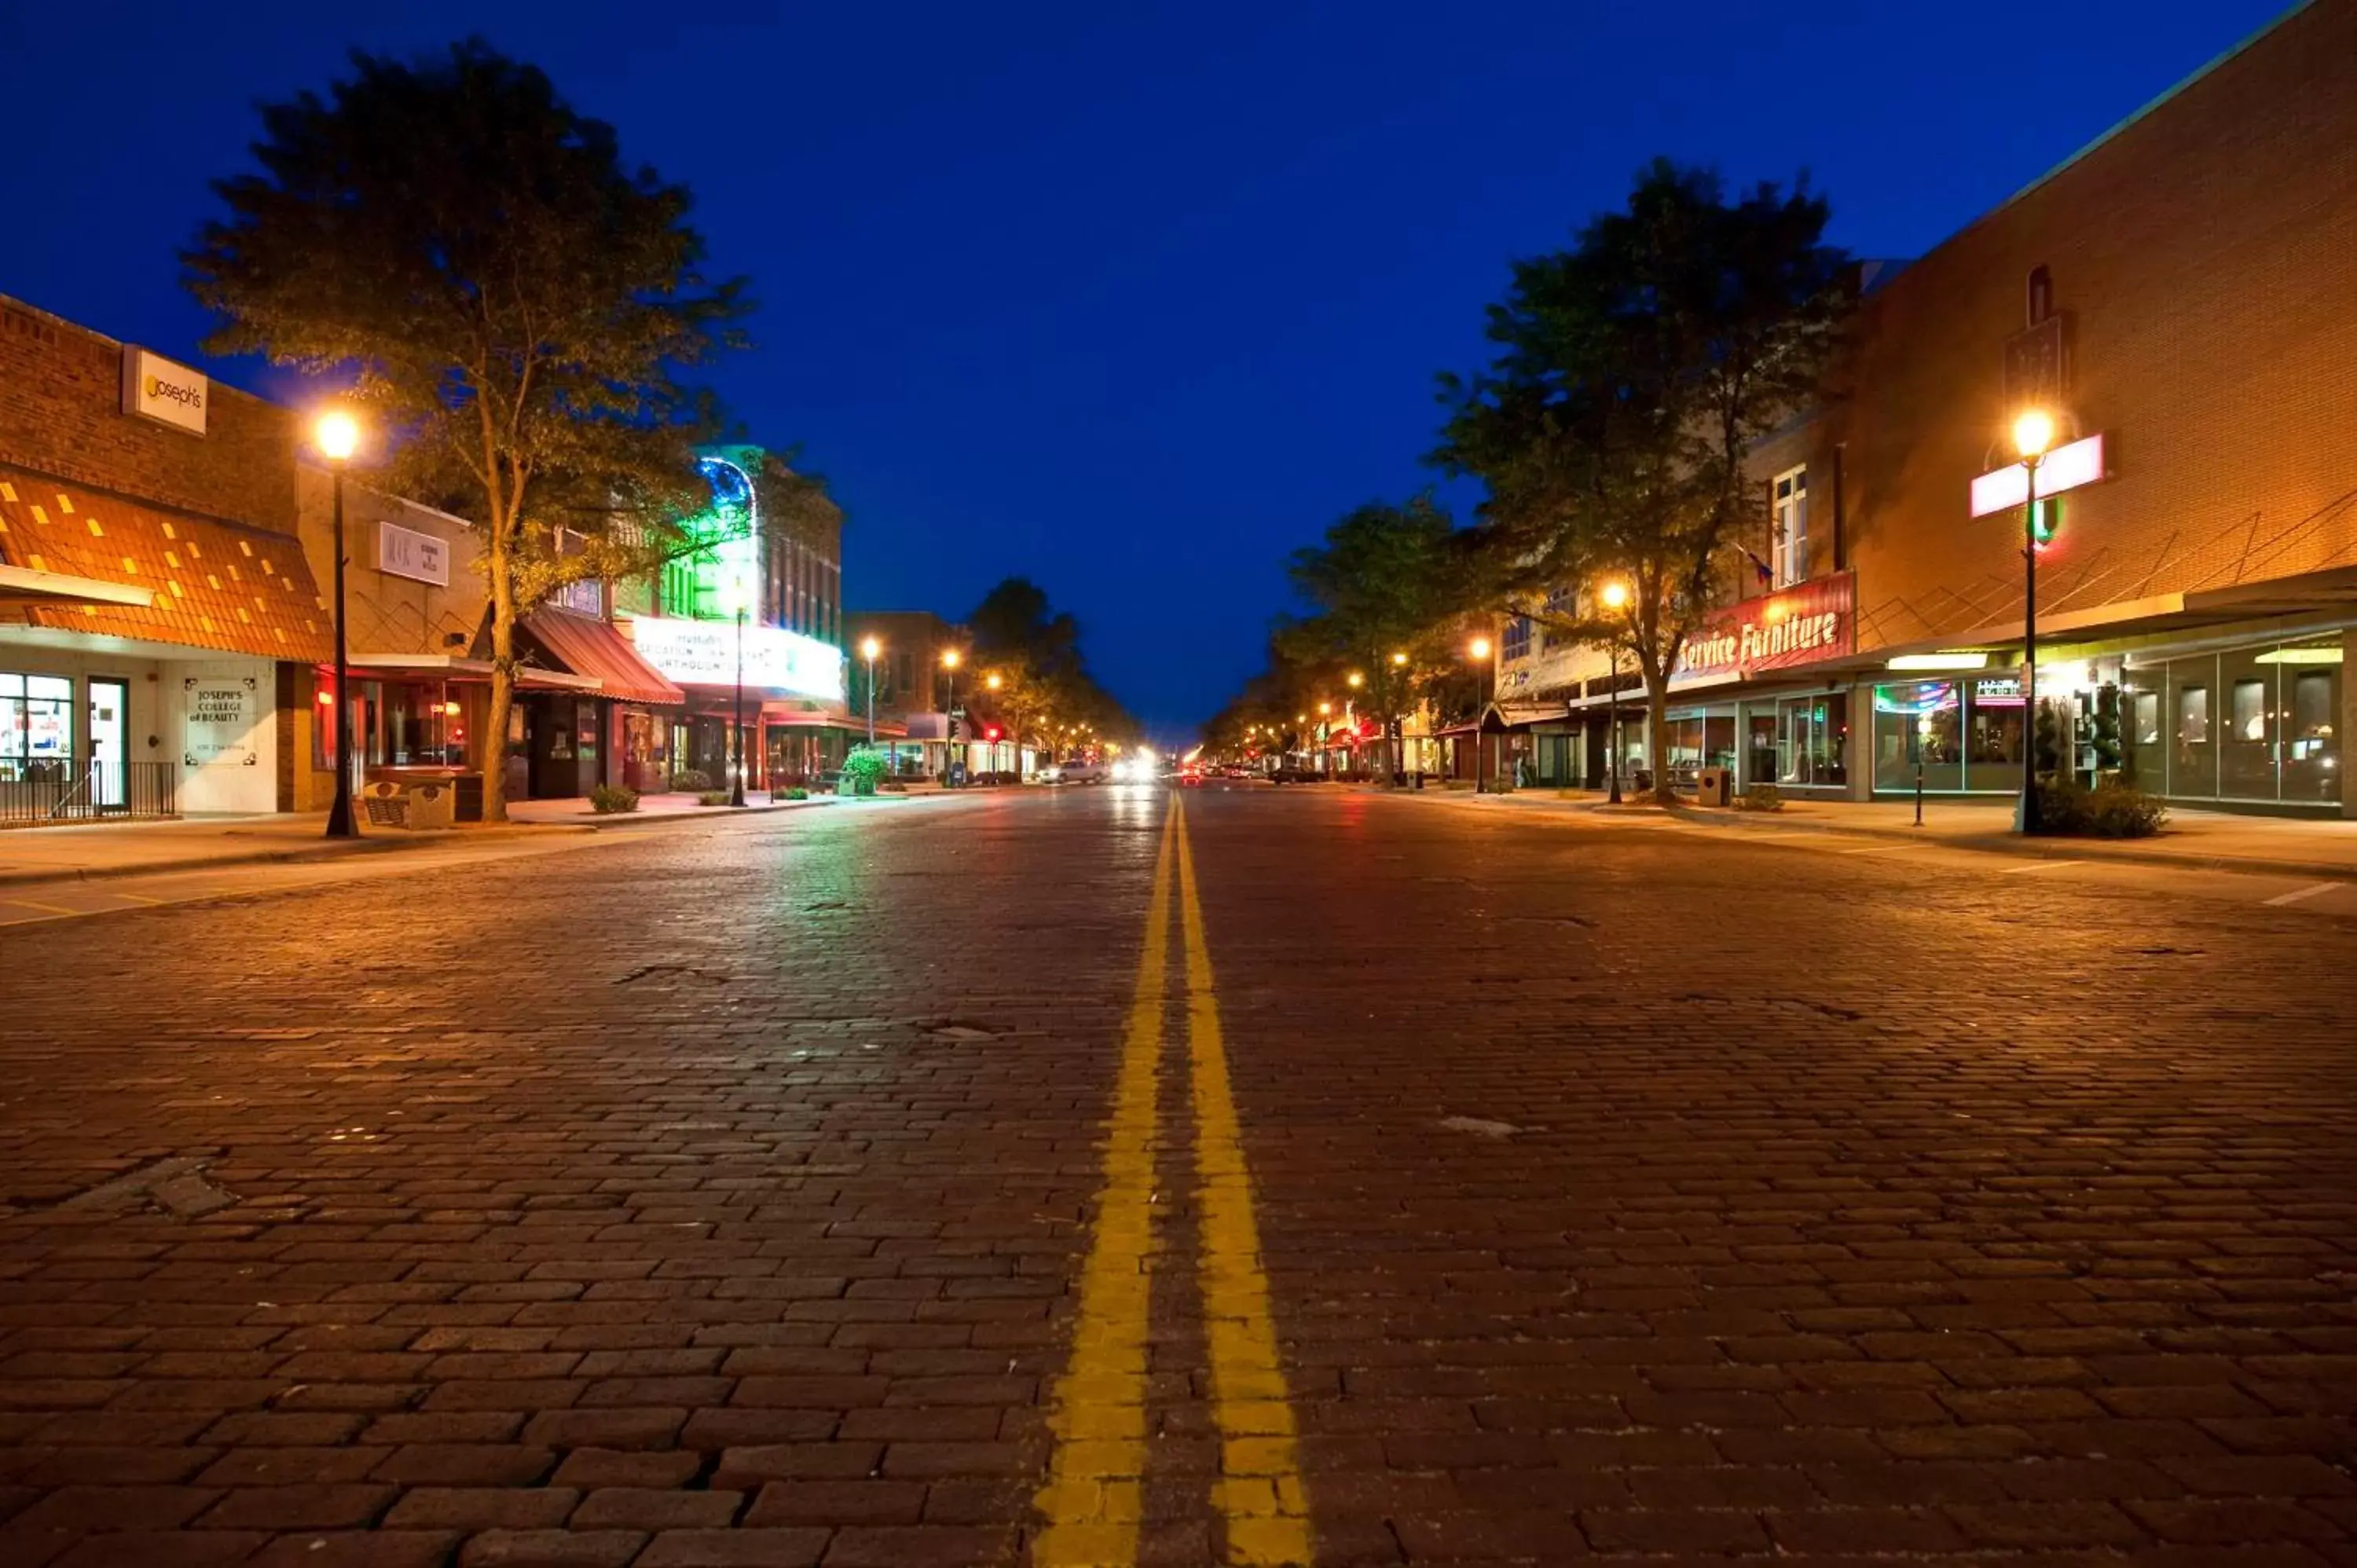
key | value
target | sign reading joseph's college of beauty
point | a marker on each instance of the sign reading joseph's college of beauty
(1801, 624)
(219, 720)
(155, 388)
(704, 653)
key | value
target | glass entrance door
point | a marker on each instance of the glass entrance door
(110, 700)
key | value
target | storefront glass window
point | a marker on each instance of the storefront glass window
(2192, 749)
(2147, 751)
(1811, 739)
(1926, 716)
(36, 720)
(2311, 764)
(2246, 751)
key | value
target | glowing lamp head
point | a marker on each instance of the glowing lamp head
(1325, 707)
(995, 680)
(2033, 433)
(1357, 680)
(952, 659)
(1399, 660)
(870, 649)
(1479, 647)
(337, 435)
(1615, 594)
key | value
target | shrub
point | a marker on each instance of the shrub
(607, 799)
(712, 797)
(796, 793)
(2113, 811)
(864, 770)
(1759, 797)
(691, 781)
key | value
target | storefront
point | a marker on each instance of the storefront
(788, 688)
(2255, 724)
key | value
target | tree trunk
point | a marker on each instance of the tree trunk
(1657, 737)
(495, 726)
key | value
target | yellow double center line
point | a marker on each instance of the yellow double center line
(1092, 1502)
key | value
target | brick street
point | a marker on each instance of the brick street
(767, 1192)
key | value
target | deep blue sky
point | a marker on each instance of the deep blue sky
(1131, 299)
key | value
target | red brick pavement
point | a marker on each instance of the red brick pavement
(718, 1200)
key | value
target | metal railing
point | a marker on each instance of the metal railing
(70, 789)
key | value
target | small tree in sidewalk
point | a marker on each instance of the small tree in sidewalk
(513, 307)
(1634, 371)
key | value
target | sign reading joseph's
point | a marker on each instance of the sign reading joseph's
(219, 716)
(155, 388)
(1801, 624)
(704, 653)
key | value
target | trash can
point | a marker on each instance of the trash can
(1714, 787)
(386, 805)
(431, 806)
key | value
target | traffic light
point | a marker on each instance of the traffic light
(2046, 520)
(991, 733)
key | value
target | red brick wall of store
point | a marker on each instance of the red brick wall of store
(61, 415)
(2206, 254)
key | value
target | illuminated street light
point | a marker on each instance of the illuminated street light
(1615, 594)
(869, 648)
(2033, 433)
(337, 435)
(736, 600)
(1357, 680)
(951, 659)
(1399, 658)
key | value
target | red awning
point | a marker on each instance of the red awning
(588, 645)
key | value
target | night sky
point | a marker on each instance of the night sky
(1129, 299)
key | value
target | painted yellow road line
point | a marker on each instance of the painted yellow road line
(1259, 1490)
(1091, 1502)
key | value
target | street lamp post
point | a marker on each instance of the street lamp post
(1395, 724)
(951, 659)
(868, 650)
(337, 437)
(737, 731)
(1616, 597)
(2032, 433)
(1479, 649)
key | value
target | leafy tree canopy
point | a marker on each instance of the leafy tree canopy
(516, 310)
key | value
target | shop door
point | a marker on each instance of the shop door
(110, 702)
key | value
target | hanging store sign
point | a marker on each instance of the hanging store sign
(704, 653)
(155, 388)
(218, 720)
(1804, 624)
(2065, 468)
(405, 553)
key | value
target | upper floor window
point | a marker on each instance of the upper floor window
(1790, 501)
(2040, 300)
(1516, 643)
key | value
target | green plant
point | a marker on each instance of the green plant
(1760, 796)
(796, 793)
(691, 781)
(2114, 812)
(713, 798)
(864, 770)
(608, 798)
(2048, 733)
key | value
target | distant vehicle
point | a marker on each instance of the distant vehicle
(1075, 772)
(1143, 768)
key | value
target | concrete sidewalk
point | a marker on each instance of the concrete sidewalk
(32, 855)
(2206, 840)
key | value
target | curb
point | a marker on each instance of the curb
(2094, 851)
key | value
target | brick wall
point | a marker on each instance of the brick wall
(2206, 254)
(61, 415)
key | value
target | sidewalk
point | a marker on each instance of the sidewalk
(2220, 841)
(29, 856)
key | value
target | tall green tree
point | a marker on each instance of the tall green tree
(515, 310)
(1385, 588)
(1633, 372)
(1044, 681)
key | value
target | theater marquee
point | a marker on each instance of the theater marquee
(1801, 625)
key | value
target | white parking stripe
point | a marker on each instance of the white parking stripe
(2300, 894)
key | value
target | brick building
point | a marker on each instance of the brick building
(157, 614)
(2182, 297)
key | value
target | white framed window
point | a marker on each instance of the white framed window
(1790, 494)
